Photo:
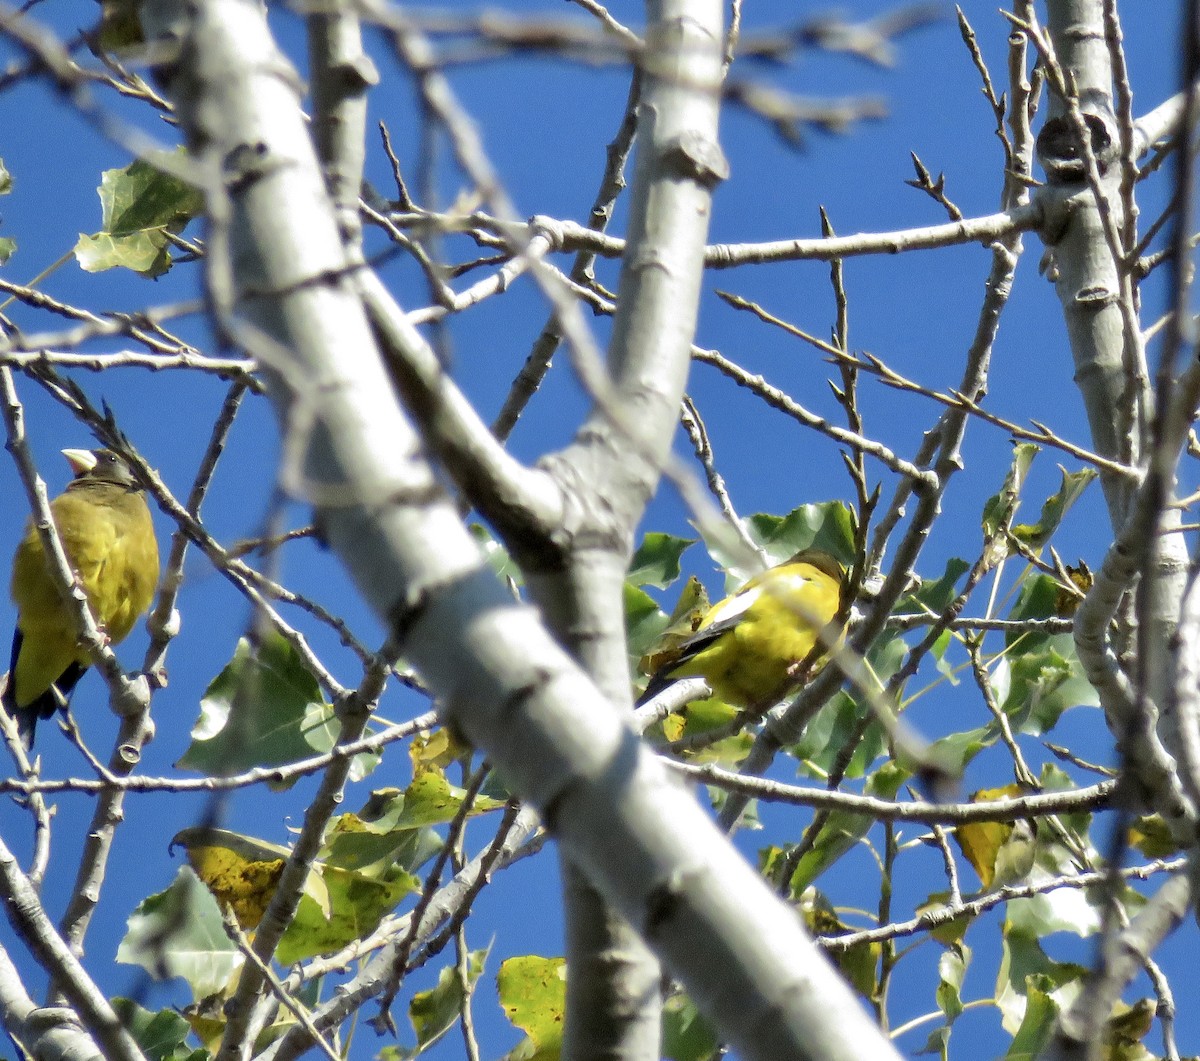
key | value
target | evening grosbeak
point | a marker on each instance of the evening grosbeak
(749, 645)
(106, 531)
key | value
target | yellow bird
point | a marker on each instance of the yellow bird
(107, 534)
(749, 645)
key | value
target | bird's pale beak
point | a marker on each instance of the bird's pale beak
(81, 461)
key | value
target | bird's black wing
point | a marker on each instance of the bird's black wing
(687, 649)
(45, 705)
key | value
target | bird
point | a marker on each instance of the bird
(750, 646)
(106, 531)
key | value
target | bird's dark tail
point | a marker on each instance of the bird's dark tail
(8, 696)
(657, 683)
(26, 726)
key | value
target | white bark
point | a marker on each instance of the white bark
(647, 845)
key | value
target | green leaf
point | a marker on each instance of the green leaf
(1023, 962)
(935, 595)
(179, 932)
(1151, 835)
(1037, 599)
(6, 181)
(687, 1036)
(887, 656)
(1034, 688)
(357, 902)
(120, 25)
(372, 841)
(828, 526)
(434, 1012)
(1041, 675)
(264, 709)
(140, 204)
(496, 555)
(1036, 535)
(533, 993)
(704, 716)
(141, 196)
(161, 1036)
(1072, 910)
(1037, 1023)
(826, 735)
(337, 906)
(858, 963)
(1126, 1028)
(937, 1043)
(999, 508)
(955, 750)
(656, 562)
(430, 799)
(655, 639)
(700, 716)
(938, 651)
(952, 968)
(645, 622)
(140, 252)
(409, 849)
(843, 830)
(1054, 779)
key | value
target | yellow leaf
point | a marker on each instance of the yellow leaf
(1066, 601)
(1151, 836)
(980, 842)
(435, 751)
(240, 872)
(690, 609)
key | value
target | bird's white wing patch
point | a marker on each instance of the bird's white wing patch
(733, 607)
(791, 583)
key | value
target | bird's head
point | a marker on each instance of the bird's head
(824, 562)
(99, 466)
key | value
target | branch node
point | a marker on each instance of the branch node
(698, 157)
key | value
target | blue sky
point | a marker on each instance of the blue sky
(545, 124)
